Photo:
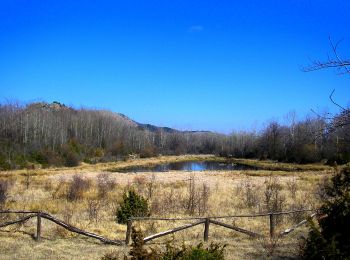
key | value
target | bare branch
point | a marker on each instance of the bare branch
(320, 116)
(336, 62)
(340, 61)
(335, 103)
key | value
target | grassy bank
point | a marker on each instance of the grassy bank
(279, 166)
(110, 166)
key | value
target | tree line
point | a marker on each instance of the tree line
(57, 135)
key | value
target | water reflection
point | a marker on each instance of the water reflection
(187, 166)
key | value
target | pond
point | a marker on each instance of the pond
(187, 166)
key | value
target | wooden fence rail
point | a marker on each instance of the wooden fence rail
(241, 230)
(288, 230)
(210, 220)
(39, 215)
(149, 238)
(24, 219)
(227, 216)
(199, 220)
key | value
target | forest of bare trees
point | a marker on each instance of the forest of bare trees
(54, 134)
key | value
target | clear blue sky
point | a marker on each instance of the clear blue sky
(215, 65)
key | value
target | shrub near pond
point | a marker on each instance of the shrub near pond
(330, 239)
(133, 205)
(138, 251)
(199, 252)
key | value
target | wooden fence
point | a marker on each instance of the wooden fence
(211, 220)
(206, 221)
(39, 215)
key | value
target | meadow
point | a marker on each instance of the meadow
(88, 196)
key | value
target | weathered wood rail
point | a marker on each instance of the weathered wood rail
(211, 220)
(39, 215)
(206, 221)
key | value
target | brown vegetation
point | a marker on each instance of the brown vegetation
(89, 198)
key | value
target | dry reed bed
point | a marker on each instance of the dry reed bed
(171, 194)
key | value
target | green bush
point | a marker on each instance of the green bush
(71, 159)
(331, 240)
(46, 158)
(172, 252)
(4, 164)
(133, 205)
(138, 251)
(38, 157)
(213, 252)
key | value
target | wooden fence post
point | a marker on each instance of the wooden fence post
(206, 229)
(38, 227)
(128, 231)
(272, 225)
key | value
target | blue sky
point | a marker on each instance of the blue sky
(214, 65)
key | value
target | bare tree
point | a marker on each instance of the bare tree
(337, 125)
(335, 61)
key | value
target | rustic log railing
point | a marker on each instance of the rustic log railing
(39, 215)
(198, 220)
(288, 230)
(211, 220)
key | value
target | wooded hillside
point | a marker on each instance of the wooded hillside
(54, 134)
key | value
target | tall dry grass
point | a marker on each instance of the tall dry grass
(89, 200)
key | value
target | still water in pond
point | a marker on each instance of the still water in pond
(188, 166)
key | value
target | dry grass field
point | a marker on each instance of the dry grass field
(88, 197)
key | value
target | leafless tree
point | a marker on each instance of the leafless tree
(338, 125)
(54, 134)
(334, 61)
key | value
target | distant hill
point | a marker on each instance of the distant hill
(154, 128)
(57, 106)
(53, 134)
